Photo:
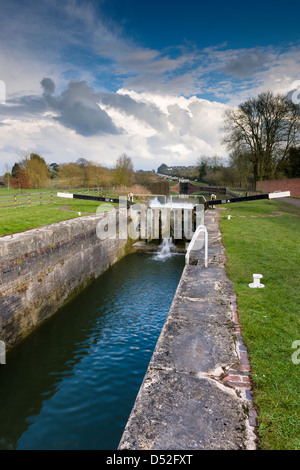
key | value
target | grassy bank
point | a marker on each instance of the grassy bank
(269, 317)
(11, 191)
(19, 219)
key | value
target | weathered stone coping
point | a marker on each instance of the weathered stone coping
(196, 391)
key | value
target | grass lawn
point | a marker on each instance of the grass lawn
(23, 218)
(199, 183)
(11, 191)
(269, 317)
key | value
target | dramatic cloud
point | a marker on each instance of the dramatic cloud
(245, 65)
(29, 106)
(155, 128)
(48, 85)
(79, 110)
(77, 85)
(147, 113)
(75, 108)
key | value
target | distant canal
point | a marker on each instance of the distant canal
(72, 383)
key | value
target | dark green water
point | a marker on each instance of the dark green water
(72, 383)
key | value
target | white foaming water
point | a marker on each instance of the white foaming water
(165, 249)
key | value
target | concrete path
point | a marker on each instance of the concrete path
(196, 392)
(295, 202)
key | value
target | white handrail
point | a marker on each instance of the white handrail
(200, 228)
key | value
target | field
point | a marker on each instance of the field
(22, 217)
(258, 242)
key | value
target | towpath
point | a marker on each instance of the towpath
(294, 201)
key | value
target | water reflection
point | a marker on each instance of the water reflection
(72, 383)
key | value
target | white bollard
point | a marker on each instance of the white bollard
(229, 217)
(256, 281)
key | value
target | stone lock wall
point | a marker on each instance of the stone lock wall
(41, 269)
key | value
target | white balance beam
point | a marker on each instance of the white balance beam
(70, 196)
(279, 194)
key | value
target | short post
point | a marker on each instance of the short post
(2, 353)
(256, 281)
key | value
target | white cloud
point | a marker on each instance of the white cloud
(156, 105)
(188, 128)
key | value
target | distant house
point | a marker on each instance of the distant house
(2, 184)
(171, 168)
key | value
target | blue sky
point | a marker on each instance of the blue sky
(163, 23)
(152, 79)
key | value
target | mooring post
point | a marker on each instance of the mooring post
(256, 281)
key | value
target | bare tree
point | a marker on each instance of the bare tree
(263, 129)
